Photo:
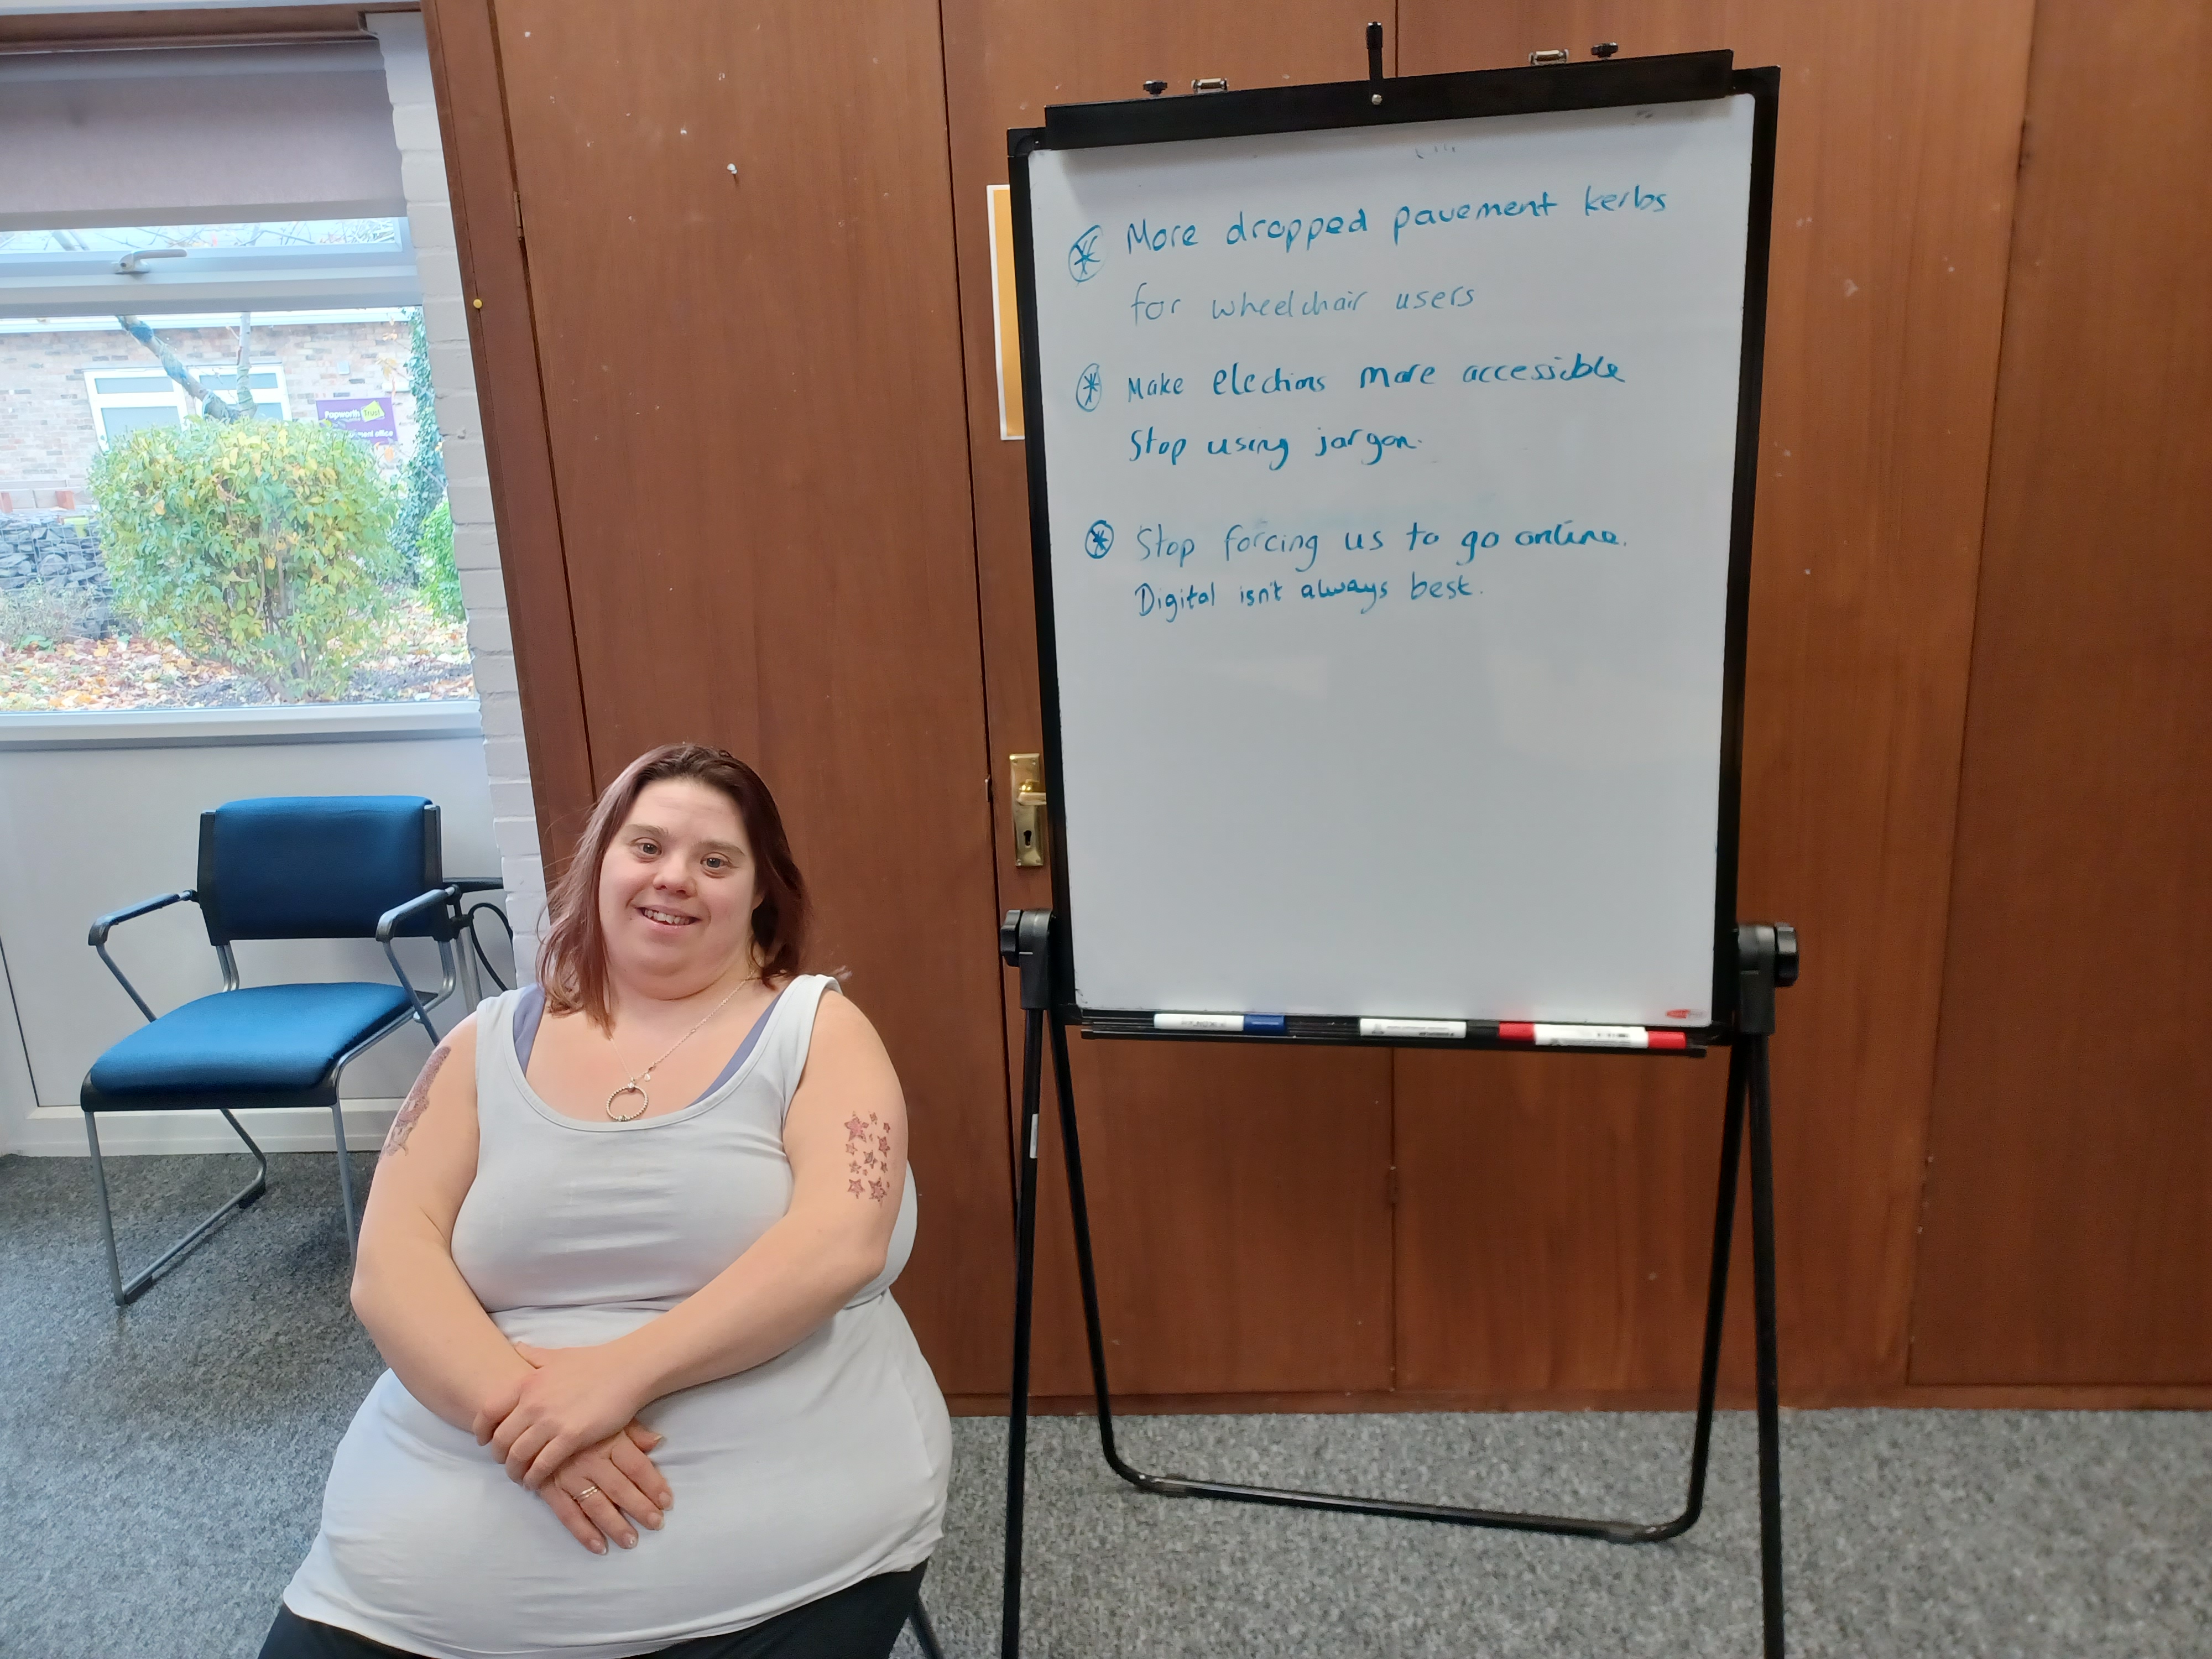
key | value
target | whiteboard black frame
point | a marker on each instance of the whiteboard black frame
(1685, 78)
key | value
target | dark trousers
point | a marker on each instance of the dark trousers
(859, 1623)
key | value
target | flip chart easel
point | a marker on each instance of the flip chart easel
(1491, 972)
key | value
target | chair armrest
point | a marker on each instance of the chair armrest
(398, 913)
(101, 925)
(98, 939)
(450, 897)
(476, 884)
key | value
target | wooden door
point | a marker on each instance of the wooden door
(2068, 1228)
(1555, 1212)
(740, 273)
(1240, 1198)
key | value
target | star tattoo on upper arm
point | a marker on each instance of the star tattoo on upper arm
(418, 1098)
(867, 1145)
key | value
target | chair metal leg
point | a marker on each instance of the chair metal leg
(126, 1294)
(345, 1180)
(472, 982)
(106, 1217)
(923, 1631)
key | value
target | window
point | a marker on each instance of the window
(266, 380)
(126, 403)
(137, 570)
(273, 266)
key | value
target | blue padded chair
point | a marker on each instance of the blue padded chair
(316, 867)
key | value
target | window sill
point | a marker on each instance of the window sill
(204, 728)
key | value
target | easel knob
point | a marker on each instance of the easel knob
(1765, 961)
(1025, 942)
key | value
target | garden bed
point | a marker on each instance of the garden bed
(419, 660)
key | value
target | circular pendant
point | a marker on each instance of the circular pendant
(643, 1102)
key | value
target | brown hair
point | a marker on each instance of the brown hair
(573, 967)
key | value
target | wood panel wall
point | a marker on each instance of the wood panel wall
(2069, 1195)
(1554, 1215)
(744, 324)
(739, 499)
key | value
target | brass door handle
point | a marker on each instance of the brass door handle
(1029, 803)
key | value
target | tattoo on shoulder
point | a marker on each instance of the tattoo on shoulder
(868, 1158)
(418, 1099)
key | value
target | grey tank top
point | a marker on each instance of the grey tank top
(803, 1476)
(529, 1014)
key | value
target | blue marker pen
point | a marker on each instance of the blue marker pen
(1241, 1024)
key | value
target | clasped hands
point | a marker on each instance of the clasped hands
(569, 1425)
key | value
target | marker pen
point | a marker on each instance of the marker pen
(1453, 1031)
(1590, 1037)
(1246, 1025)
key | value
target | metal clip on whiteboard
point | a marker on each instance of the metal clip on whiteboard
(1548, 56)
(1211, 83)
(1375, 62)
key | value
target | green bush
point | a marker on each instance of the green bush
(262, 545)
(422, 485)
(435, 573)
(42, 614)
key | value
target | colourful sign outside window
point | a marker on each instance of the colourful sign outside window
(372, 419)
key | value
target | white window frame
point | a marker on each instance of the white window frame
(332, 277)
(174, 396)
(101, 402)
(201, 371)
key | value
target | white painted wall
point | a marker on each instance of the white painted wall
(468, 472)
(16, 1095)
(113, 817)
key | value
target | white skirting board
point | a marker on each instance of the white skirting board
(58, 1131)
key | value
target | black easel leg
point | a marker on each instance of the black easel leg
(1762, 1267)
(1167, 1486)
(1017, 1403)
(1618, 1532)
(1708, 1367)
(1078, 1207)
(1767, 960)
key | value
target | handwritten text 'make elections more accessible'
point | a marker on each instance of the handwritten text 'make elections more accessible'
(1408, 222)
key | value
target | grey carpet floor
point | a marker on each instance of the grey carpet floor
(160, 1470)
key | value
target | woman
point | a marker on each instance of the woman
(627, 1257)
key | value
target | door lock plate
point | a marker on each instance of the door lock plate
(1029, 803)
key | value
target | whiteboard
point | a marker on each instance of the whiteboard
(1388, 479)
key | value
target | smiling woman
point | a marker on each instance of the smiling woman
(595, 901)
(642, 1240)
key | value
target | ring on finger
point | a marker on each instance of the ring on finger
(588, 1491)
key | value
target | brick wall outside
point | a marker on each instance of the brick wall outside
(46, 436)
(468, 474)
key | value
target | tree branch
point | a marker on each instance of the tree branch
(244, 389)
(211, 404)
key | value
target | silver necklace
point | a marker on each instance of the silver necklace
(636, 1084)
